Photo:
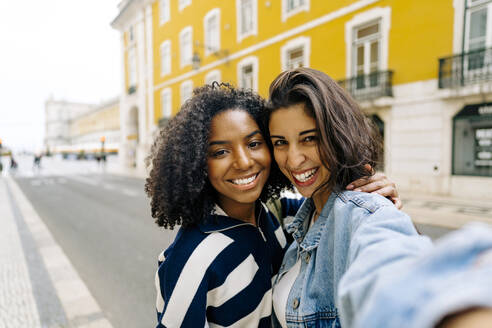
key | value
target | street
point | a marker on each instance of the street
(102, 222)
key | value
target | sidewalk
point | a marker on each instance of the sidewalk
(445, 211)
(39, 286)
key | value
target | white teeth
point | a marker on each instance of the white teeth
(303, 177)
(244, 181)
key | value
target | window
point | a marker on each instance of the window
(366, 54)
(131, 34)
(248, 73)
(478, 36)
(166, 103)
(292, 7)
(166, 57)
(186, 90)
(247, 18)
(132, 68)
(186, 46)
(366, 41)
(164, 9)
(183, 3)
(212, 31)
(212, 76)
(472, 141)
(295, 53)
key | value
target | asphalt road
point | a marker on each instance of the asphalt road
(103, 224)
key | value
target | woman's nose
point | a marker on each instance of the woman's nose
(243, 160)
(295, 158)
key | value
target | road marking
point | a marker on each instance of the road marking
(129, 192)
(74, 295)
(83, 180)
(108, 187)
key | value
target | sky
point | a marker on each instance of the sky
(65, 49)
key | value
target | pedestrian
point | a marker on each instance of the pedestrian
(210, 173)
(349, 246)
(13, 163)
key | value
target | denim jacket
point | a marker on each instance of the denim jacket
(363, 264)
(355, 230)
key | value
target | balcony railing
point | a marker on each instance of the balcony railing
(464, 69)
(369, 86)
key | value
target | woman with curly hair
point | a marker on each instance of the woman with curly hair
(211, 166)
(355, 255)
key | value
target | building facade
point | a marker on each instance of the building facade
(78, 127)
(136, 102)
(426, 82)
(58, 117)
(97, 131)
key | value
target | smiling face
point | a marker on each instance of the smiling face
(295, 146)
(238, 159)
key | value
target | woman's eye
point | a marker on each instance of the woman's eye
(254, 144)
(278, 143)
(310, 139)
(218, 153)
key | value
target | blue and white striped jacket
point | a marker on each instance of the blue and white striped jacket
(219, 273)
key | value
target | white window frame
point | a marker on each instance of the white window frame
(185, 85)
(366, 43)
(132, 67)
(302, 41)
(167, 109)
(212, 42)
(183, 4)
(164, 11)
(214, 75)
(488, 36)
(286, 14)
(185, 59)
(165, 62)
(250, 60)
(384, 17)
(239, 20)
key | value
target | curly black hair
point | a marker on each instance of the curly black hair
(178, 184)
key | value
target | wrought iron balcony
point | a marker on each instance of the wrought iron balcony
(464, 69)
(369, 86)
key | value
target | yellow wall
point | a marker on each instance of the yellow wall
(103, 119)
(420, 32)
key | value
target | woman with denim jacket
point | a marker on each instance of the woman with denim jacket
(356, 260)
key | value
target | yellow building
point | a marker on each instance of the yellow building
(97, 130)
(422, 70)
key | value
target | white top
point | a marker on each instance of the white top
(282, 289)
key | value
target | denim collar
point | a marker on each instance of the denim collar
(308, 238)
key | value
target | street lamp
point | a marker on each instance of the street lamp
(196, 59)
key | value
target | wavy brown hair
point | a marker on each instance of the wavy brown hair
(178, 184)
(347, 139)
